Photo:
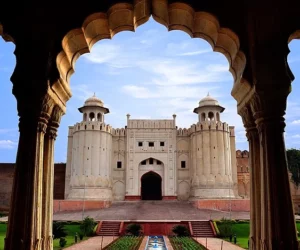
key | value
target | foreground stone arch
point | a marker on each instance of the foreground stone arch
(262, 82)
(127, 17)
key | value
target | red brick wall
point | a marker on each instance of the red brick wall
(59, 181)
(224, 205)
(72, 205)
(156, 228)
(6, 182)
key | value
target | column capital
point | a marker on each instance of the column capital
(248, 121)
(268, 105)
(35, 114)
(54, 121)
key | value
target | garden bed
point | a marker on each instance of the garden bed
(125, 242)
(179, 243)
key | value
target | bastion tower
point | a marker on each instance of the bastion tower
(88, 172)
(213, 173)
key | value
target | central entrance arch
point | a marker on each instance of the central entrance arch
(151, 186)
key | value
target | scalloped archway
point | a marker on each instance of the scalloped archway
(127, 17)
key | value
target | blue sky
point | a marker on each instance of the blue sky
(149, 73)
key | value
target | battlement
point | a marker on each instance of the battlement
(151, 124)
(205, 125)
(119, 132)
(242, 154)
(82, 126)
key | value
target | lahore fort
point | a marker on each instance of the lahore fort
(149, 160)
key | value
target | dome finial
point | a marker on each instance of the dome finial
(94, 94)
(208, 93)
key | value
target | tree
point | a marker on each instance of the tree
(87, 226)
(58, 230)
(293, 158)
(134, 229)
(181, 231)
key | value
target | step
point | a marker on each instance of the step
(109, 228)
(202, 229)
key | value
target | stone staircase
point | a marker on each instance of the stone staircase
(202, 229)
(108, 228)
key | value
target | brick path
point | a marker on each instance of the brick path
(168, 243)
(215, 244)
(151, 210)
(93, 243)
(144, 242)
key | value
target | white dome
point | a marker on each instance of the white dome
(208, 101)
(93, 101)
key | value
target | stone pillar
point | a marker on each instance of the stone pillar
(278, 230)
(26, 220)
(48, 178)
(255, 178)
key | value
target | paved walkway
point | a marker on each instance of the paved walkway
(93, 243)
(168, 243)
(144, 242)
(151, 210)
(216, 244)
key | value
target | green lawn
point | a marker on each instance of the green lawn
(2, 235)
(71, 230)
(242, 231)
(70, 238)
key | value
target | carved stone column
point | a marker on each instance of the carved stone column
(25, 217)
(255, 188)
(48, 178)
(278, 229)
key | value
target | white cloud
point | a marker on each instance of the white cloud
(297, 122)
(194, 53)
(103, 53)
(138, 92)
(7, 144)
(144, 92)
(296, 136)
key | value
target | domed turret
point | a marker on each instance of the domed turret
(93, 101)
(208, 101)
(93, 109)
(209, 109)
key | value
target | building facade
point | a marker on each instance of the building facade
(151, 159)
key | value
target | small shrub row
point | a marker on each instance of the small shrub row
(179, 243)
(125, 242)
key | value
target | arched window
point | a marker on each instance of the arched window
(99, 117)
(211, 116)
(203, 117)
(85, 117)
(92, 117)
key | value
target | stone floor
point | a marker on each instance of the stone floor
(93, 243)
(151, 210)
(216, 244)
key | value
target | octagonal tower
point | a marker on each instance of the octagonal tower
(213, 174)
(88, 174)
